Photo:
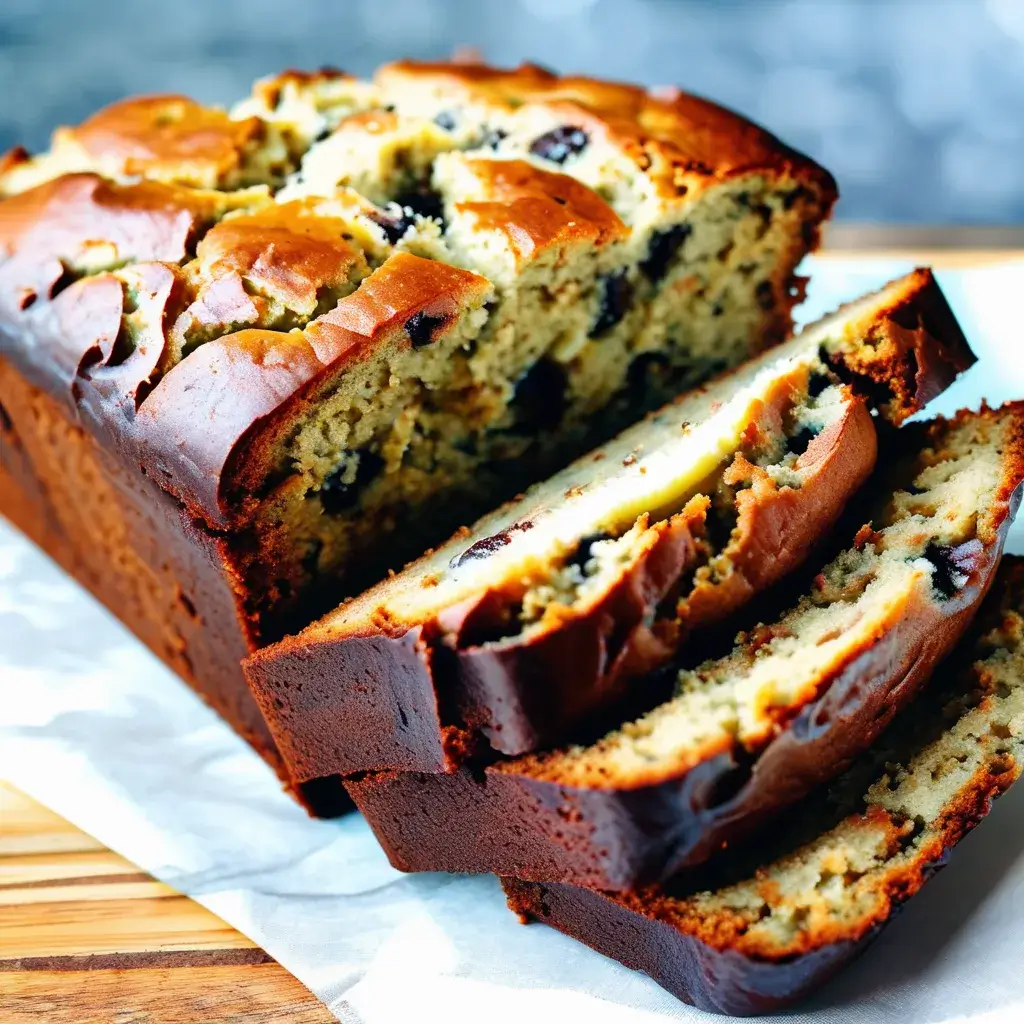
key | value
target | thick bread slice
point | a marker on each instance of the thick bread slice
(775, 923)
(545, 610)
(751, 732)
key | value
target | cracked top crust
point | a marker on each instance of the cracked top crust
(198, 190)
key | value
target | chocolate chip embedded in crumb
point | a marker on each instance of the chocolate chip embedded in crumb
(646, 373)
(765, 295)
(662, 249)
(488, 545)
(559, 144)
(801, 440)
(341, 488)
(538, 397)
(395, 224)
(582, 555)
(446, 120)
(494, 138)
(424, 201)
(817, 383)
(420, 327)
(616, 295)
(952, 565)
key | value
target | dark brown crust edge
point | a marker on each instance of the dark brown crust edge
(346, 705)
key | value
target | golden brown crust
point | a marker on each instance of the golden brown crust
(681, 141)
(288, 252)
(243, 386)
(539, 209)
(167, 138)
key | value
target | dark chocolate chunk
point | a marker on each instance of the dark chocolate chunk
(581, 555)
(616, 295)
(801, 440)
(494, 137)
(662, 249)
(558, 145)
(538, 397)
(424, 201)
(645, 372)
(817, 383)
(488, 545)
(420, 328)
(446, 120)
(394, 224)
(952, 567)
(765, 295)
(336, 495)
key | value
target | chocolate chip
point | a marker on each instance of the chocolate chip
(424, 201)
(420, 328)
(581, 555)
(538, 397)
(494, 138)
(311, 559)
(446, 120)
(645, 373)
(817, 383)
(558, 145)
(616, 295)
(952, 568)
(801, 440)
(798, 194)
(661, 250)
(336, 495)
(395, 225)
(488, 545)
(765, 295)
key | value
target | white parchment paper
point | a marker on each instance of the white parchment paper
(96, 728)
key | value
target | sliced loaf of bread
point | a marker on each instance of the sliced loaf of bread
(550, 608)
(746, 734)
(766, 923)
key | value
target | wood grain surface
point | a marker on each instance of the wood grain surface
(87, 938)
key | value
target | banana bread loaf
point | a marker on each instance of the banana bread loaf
(545, 611)
(769, 922)
(253, 360)
(746, 734)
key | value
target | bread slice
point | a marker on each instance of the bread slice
(335, 326)
(751, 732)
(769, 922)
(545, 610)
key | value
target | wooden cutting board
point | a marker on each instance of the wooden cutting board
(87, 938)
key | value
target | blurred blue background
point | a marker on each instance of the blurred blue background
(917, 106)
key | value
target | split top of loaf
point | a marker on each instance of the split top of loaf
(312, 315)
